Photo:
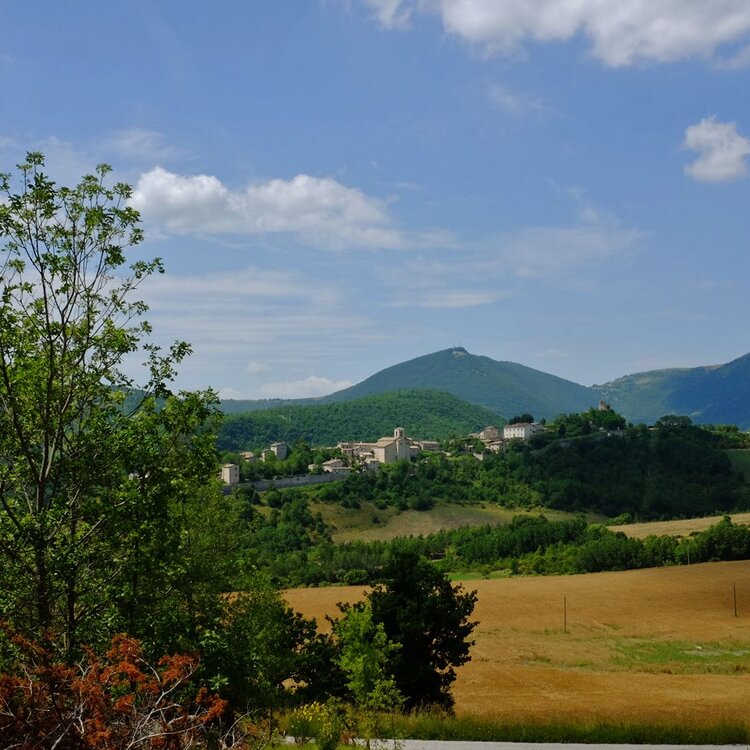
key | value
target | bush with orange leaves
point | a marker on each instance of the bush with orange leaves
(119, 702)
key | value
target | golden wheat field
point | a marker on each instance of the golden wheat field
(681, 527)
(651, 646)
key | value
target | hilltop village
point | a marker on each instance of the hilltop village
(355, 456)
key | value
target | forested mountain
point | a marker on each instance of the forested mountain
(423, 414)
(504, 387)
(718, 394)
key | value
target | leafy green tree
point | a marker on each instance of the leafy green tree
(83, 484)
(428, 617)
(256, 646)
(364, 655)
(521, 419)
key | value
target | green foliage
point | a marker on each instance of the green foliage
(254, 647)
(422, 413)
(438, 726)
(79, 539)
(428, 617)
(364, 655)
(110, 518)
(323, 722)
(665, 473)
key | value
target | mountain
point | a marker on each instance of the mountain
(423, 414)
(506, 388)
(718, 394)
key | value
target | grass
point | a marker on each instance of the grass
(681, 657)
(426, 726)
(360, 523)
(475, 575)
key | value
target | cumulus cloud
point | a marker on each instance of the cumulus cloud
(319, 210)
(721, 151)
(620, 32)
(307, 388)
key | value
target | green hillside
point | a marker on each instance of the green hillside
(423, 414)
(504, 387)
(718, 394)
(242, 406)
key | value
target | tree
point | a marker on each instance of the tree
(428, 617)
(524, 418)
(86, 461)
(364, 654)
(257, 646)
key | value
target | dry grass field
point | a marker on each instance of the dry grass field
(683, 527)
(357, 523)
(651, 646)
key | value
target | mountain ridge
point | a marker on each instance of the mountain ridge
(708, 394)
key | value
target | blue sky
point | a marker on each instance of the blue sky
(340, 185)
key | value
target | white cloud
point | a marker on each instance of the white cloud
(721, 151)
(391, 14)
(516, 102)
(257, 368)
(140, 144)
(621, 32)
(553, 251)
(235, 289)
(319, 210)
(451, 299)
(443, 298)
(307, 388)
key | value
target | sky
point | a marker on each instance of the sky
(336, 186)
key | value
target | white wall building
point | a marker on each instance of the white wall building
(280, 450)
(521, 431)
(230, 474)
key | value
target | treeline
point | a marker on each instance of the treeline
(669, 472)
(423, 414)
(294, 546)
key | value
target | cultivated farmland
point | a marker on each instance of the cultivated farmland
(680, 527)
(652, 646)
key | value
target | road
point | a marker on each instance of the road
(460, 745)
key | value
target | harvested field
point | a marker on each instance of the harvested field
(356, 524)
(653, 646)
(682, 527)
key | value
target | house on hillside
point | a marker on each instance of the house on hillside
(230, 474)
(521, 430)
